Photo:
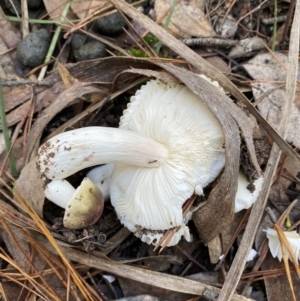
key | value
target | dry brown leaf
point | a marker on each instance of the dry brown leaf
(84, 9)
(215, 249)
(8, 32)
(65, 75)
(277, 288)
(268, 90)
(187, 20)
(55, 9)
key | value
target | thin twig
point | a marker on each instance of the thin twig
(210, 42)
(21, 82)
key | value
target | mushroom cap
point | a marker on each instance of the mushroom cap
(59, 192)
(152, 198)
(85, 207)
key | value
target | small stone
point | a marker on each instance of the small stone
(33, 48)
(78, 40)
(90, 51)
(111, 25)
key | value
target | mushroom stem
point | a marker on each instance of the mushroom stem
(101, 176)
(69, 152)
(59, 192)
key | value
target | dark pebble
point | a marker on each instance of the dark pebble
(90, 51)
(78, 40)
(111, 25)
(33, 48)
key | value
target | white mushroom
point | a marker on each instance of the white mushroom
(245, 198)
(168, 147)
(83, 205)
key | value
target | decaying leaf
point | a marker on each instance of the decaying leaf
(187, 20)
(269, 72)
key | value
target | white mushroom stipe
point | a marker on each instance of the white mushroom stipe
(83, 206)
(59, 192)
(69, 152)
(101, 176)
(168, 147)
(244, 198)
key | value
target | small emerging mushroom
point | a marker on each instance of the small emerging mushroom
(168, 147)
(83, 206)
